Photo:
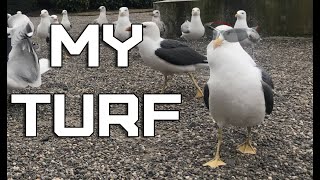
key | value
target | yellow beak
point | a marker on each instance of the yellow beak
(217, 42)
(236, 15)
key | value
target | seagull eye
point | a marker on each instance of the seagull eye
(144, 26)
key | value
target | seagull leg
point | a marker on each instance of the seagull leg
(246, 147)
(164, 87)
(216, 162)
(199, 91)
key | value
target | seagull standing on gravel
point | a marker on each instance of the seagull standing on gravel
(23, 67)
(156, 18)
(122, 24)
(169, 56)
(67, 25)
(54, 19)
(193, 30)
(102, 19)
(254, 36)
(236, 93)
(65, 20)
(43, 29)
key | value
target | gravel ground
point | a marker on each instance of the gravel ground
(284, 141)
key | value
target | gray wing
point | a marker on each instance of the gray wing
(268, 97)
(236, 35)
(206, 95)
(185, 27)
(176, 53)
(266, 78)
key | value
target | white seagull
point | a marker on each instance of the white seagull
(193, 30)
(169, 56)
(236, 93)
(65, 20)
(156, 18)
(23, 67)
(254, 36)
(102, 19)
(122, 24)
(43, 29)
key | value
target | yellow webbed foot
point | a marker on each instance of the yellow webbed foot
(214, 163)
(247, 148)
(199, 94)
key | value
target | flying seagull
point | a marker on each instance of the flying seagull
(169, 56)
(122, 24)
(193, 30)
(254, 36)
(156, 18)
(235, 93)
(23, 67)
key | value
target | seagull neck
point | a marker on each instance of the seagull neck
(155, 18)
(65, 16)
(242, 23)
(196, 19)
(44, 20)
(123, 20)
(103, 14)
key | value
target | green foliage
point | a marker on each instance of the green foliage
(73, 5)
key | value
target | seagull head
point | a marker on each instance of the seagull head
(156, 13)
(195, 11)
(64, 12)
(218, 37)
(150, 30)
(44, 13)
(123, 11)
(54, 18)
(8, 16)
(19, 12)
(102, 9)
(241, 14)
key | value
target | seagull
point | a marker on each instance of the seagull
(54, 19)
(169, 56)
(235, 93)
(156, 18)
(122, 24)
(65, 20)
(241, 22)
(23, 67)
(43, 29)
(193, 30)
(67, 25)
(102, 19)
